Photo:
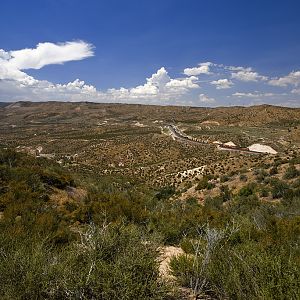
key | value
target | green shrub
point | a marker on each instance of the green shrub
(279, 189)
(215, 203)
(243, 177)
(192, 201)
(245, 204)
(187, 246)
(225, 193)
(243, 269)
(291, 172)
(261, 175)
(110, 262)
(9, 158)
(247, 190)
(296, 184)
(224, 178)
(56, 179)
(264, 192)
(184, 269)
(165, 193)
(204, 184)
(250, 272)
(273, 170)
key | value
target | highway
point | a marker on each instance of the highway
(177, 134)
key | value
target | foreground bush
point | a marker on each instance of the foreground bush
(111, 262)
(231, 265)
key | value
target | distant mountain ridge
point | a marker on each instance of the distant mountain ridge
(3, 104)
(89, 113)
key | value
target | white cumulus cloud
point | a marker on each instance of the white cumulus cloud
(236, 68)
(296, 91)
(222, 84)
(17, 85)
(160, 78)
(206, 99)
(183, 83)
(291, 79)
(159, 86)
(246, 75)
(49, 53)
(153, 85)
(12, 63)
(202, 68)
(4, 55)
(252, 95)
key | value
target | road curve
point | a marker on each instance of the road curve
(177, 134)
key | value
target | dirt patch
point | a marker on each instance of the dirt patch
(211, 122)
(61, 197)
(166, 254)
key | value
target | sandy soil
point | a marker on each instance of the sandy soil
(166, 253)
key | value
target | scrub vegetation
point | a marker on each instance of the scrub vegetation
(92, 197)
(103, 244)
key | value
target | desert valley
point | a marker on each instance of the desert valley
(189, 184)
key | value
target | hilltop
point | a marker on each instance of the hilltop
(87, 113)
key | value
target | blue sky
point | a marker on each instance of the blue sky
(193, 52)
